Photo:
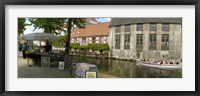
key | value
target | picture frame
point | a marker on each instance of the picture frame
(98, 2)
(61, 66)
(91, 74)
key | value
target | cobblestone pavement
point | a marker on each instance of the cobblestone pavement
(24, 71)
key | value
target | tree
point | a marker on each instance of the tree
(21, 25)
(50, 25)
(57, 25)
(72, 22)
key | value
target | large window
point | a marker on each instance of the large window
(153, 27)
(127, 41)
(139, 40)
(165, 42)
(117, 29)
(152, 44)
(139, 27)
(127, 28)
(117, 41)
(165, 27)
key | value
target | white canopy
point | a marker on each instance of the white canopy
(40, 37)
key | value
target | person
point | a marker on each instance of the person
(31, 49)
(24, 48)
(48, 48)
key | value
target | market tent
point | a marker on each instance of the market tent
(40, 37)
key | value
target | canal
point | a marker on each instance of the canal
(115, 68)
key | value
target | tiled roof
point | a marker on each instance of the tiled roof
(99, 29)
(91, 19)
(123, 21)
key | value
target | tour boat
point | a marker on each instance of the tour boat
(163, 66)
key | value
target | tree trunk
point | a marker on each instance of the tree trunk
(67, 57)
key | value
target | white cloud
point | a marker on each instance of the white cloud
(108, 19)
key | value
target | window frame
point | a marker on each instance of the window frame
(165, 42)
(153, 26)
(163, 27)
(129, 29)
(139, 27)
(119, 30)
(139, 41)
(126, 39)
(117, 42)
(152, 41)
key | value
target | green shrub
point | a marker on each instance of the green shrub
(93, 46)
(98, 46)
(75, 45)
(102, 47)
(83, 47)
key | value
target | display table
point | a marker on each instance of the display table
(42, 60)
(33, 59)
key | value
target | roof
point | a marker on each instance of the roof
(124, 21)
(99, 29)
(91, 19)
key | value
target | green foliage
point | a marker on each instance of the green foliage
(59, 43)
(102, 47)
(21, 25)
(84, 47)
(75, 45)
(92, 46)
(99, 46)
(50, 25)
(78, 22)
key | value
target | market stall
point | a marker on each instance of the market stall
(38, 54)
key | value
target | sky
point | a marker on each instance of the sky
(103, 19)
(30, 29)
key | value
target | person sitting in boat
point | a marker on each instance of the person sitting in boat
(177, 62)
(171, 62)
(161, 62)
(158, 62)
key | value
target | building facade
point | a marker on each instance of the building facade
(93, 33)
(146, 38)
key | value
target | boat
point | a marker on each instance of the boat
(162, 66)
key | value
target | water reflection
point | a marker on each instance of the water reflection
(111, 68)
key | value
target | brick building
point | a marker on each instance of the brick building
(92, 33)
(149, 38)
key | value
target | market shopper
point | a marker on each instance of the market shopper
(48, 48)
(24, 48)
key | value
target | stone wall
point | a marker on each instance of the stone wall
(175, 43)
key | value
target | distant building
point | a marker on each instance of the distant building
(92, 33)
(149, 38)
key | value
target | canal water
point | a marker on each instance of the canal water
(113, 68)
